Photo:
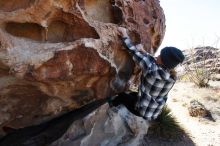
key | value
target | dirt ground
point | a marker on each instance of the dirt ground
(203, 132)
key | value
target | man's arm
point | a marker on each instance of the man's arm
(142, 58)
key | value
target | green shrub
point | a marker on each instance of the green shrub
(166, 126)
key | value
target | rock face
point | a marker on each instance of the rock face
(106, 127)
(57, 55)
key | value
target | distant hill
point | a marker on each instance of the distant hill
(201, 57)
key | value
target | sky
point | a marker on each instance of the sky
(191, 23)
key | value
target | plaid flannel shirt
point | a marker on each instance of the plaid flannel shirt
(155, 83)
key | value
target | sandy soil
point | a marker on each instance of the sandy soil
(203, 131)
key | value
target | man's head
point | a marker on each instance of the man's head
(170, 57)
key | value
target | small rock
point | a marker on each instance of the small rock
(197, 109)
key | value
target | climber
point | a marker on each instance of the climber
(156, 80)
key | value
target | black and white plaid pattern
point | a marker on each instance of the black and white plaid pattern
(155, 84)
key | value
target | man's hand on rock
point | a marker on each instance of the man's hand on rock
(123, 32)
(140, 48)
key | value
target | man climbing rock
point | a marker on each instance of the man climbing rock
(156, 80)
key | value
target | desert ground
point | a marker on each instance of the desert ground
(203, 132)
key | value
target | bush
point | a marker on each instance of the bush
(200, 77)
(200, 64)
(166, 126)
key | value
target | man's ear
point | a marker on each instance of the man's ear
(159, 60)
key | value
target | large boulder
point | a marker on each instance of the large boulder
(106, 127)
(57, 55)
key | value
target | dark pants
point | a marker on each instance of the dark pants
(128, 100)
